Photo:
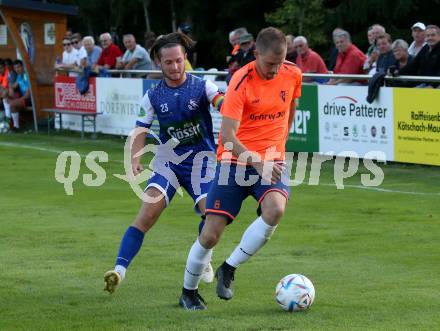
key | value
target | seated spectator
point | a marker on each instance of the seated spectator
(400, 51)
(23, 100)
(418, 34)
(350, 60)
(427, 61)
(70, 58)
(93, 51)
(247, 48)
(386, 56)
(291, 52)
(82, 54)
(12, 74)
(135, 57)
(4, 89)
(109, 53)
(308, 60)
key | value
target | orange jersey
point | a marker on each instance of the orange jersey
(262, 107)
(4, 79)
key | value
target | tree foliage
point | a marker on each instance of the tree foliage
(301, 17)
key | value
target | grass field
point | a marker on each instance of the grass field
(373, 256)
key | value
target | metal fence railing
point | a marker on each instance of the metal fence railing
(123, 73)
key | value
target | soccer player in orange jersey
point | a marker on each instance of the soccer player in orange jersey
(257, 114)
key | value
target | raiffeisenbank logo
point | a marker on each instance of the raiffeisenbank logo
(346, 106)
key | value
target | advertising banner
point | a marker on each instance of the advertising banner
(303, 136)
(417, 125)
(119, 101)
(347, 122)
(68, 97)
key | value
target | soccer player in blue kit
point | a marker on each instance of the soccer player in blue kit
(181, 103)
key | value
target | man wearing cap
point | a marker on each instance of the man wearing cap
(247, 48)
(427, 61)
(418, 34)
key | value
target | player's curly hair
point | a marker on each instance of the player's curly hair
(171, 40)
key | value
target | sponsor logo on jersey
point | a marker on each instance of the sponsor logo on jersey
(271, 117)
(187, 133)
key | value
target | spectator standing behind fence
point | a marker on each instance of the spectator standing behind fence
(23, 99)
(350, 60)
(308, 60)
(386, 58)
(186, 29)
(149, 39)
(70, 58)
(247, 49)
(135, 57)
(427, 61)
(418, 34)
(93, 51)
(81, 54)
(109, 52)
(333, 53)
(400, 51)
(372, 54)
(234, 40)
(291, 52)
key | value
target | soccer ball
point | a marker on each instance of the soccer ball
(295, 293)
(4, 127)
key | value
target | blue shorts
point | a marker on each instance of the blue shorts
(230, 188)
(194, 175)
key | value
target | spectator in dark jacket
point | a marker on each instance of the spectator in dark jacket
(386, 56)
(427, 61)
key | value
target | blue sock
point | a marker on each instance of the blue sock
(201, 224)
(130, 244)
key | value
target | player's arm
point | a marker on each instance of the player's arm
(215, 97)
(139, 134)
(229, 139)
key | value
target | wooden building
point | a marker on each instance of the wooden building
(33, 31)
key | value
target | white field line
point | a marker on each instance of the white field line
(377, 189)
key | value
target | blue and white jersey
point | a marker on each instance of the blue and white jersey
(182, 112)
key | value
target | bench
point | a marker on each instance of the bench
(87, 118)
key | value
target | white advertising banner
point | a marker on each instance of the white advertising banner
(348, 123)
(119, 102)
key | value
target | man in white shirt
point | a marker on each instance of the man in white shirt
(418, 34)
(82, 53)
(70, 57)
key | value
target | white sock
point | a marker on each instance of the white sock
(121, 270)
(15, 120)
(198, 259)
(255, 236)
(7, 108)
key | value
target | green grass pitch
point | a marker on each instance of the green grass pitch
(373, 256)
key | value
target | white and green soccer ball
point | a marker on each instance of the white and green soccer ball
(4, 127)
(295, 293)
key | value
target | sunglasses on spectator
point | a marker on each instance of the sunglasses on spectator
(75, 42)
(67, 44)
